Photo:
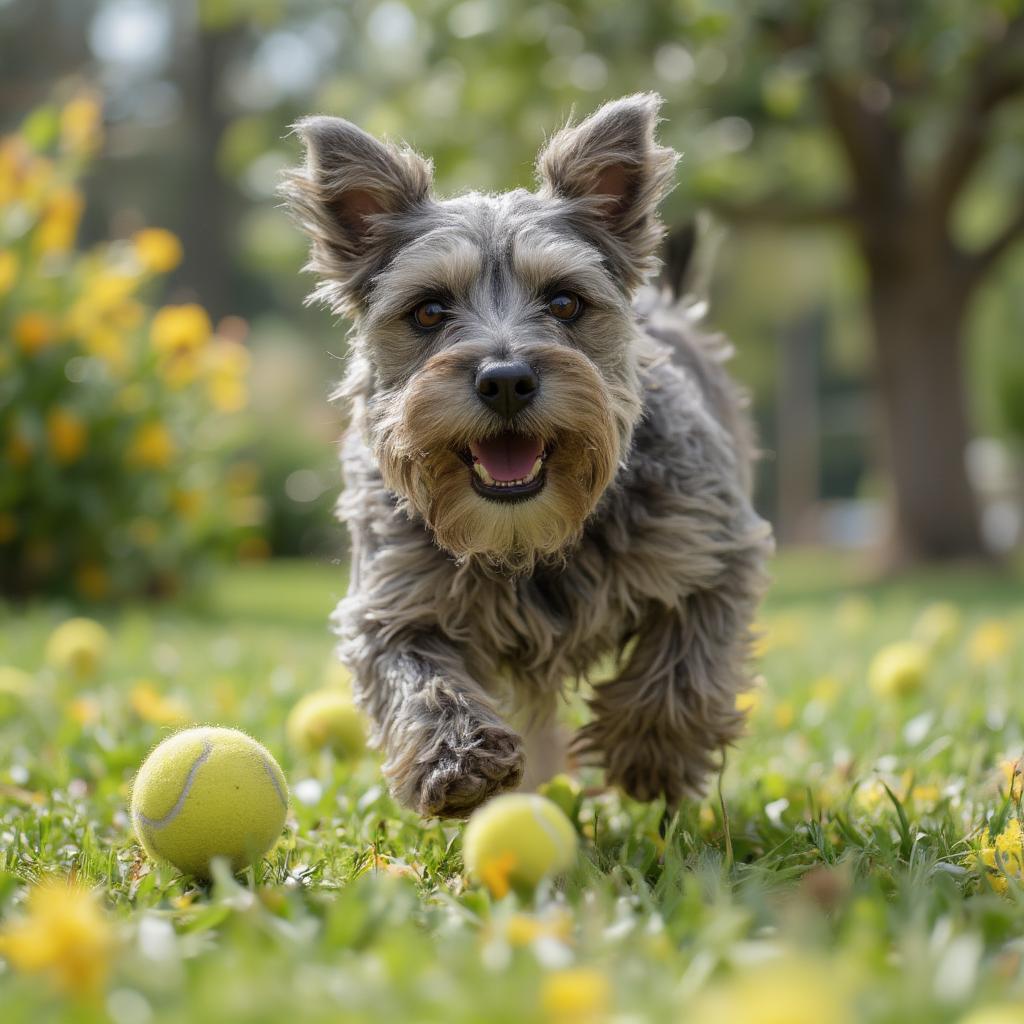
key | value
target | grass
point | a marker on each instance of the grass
(833, 877)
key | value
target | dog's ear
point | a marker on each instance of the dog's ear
(350, 188)
(613, 173)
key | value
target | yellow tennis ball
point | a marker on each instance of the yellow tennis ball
(337, 676)
(516, 840)
(327, 718)
(209, 792)
(938, 625)
(78, 646)
(898, 670)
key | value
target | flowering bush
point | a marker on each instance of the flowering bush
(114, 419)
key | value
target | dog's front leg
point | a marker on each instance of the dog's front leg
(447, 749)
(659, 726)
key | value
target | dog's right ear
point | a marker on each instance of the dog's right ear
(344, 196)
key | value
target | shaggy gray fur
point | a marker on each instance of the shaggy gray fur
(465, 615)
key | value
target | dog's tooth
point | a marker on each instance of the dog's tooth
(481, 471)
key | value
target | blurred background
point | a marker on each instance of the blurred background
(857, 169)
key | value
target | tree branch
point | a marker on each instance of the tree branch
(871, 149)
(1013, 231)
(992, 83)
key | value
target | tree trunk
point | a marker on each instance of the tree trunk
(918, 308)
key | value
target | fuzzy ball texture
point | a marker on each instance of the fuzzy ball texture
(327, 718)
(516, 840)
(899, 669)
(209, 792)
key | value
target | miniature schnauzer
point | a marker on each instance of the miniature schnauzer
(547, 468)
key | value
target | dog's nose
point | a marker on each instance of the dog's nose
(506, 387)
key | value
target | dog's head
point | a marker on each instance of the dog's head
(495, 343)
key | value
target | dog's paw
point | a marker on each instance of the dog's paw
(458, 781)
(645, 762)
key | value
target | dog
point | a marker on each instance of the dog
(546, 468)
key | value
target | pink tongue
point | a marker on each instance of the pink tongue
(508, 457)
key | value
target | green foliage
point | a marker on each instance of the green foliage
(843, 876)
(114, 419)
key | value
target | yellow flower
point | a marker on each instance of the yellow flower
(81, 125)
(8, 270)
(785, 715)
(177, 330)
(157, 250)
(579, 995)
(938, 625)
(84, 710)
(34, 331)
(66, 433)
(927, 794)
(524, 929)
(780, 633)
(227, 394)
(19, 448)
(59, 225)
(188, 503)
(65, 935)
(226, 365)
(1013, 775)
(152, 447)
(78, 646)
(870, 794)
(496, 874)
(151, 706)
(748, 701)
(8, 527)
(898, 670)
(1003, 858)
(92, 581)
(826, 690)
(990, 642)
(785, 991)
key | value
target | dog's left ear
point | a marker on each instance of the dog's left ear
(612, 170)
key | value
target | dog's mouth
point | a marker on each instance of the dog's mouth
(507, 467)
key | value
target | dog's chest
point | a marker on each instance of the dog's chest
(547, 629)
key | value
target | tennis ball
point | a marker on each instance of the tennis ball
(208, 792)
(516, 840)
(938, 625)
(898, 670)
(337, 676)
(78, 646)
(327, 718)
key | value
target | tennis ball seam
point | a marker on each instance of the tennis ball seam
(273, 779)
(547, 827)
(179, 804)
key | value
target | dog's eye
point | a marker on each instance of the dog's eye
(565, 306)
(429, 315)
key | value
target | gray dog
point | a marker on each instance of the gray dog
(540, 474)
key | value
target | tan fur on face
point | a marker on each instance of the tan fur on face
(583, 424)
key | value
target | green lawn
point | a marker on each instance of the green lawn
(834, 879)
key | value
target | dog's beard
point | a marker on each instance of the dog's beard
(424, 430)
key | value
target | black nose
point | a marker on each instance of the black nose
(506, 387)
